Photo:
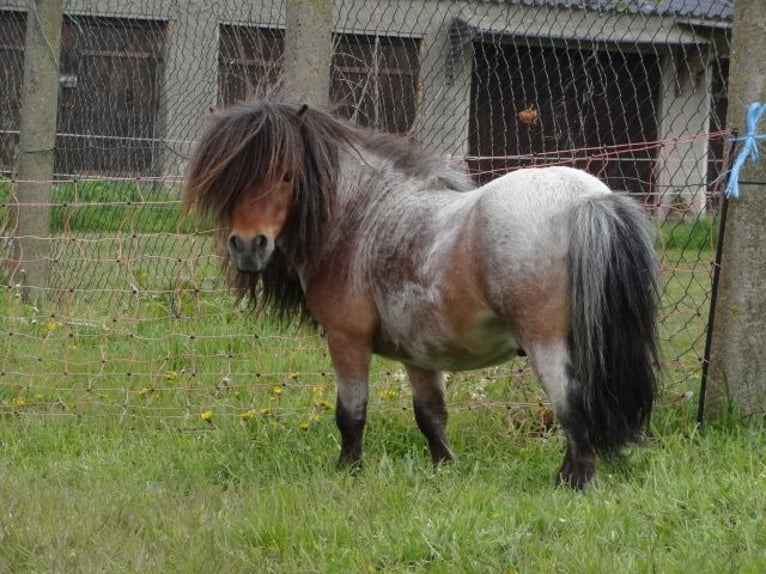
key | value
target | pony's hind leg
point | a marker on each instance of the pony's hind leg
(551, 362)
(579, 466)
(430, 410)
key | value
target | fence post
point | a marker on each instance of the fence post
(737, 374)
(39, 107)
(308, 51)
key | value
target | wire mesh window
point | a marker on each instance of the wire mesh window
(532, 100)
(249, 63)
(374, 81)
(12, 26)
(109, 97)
(373, 78)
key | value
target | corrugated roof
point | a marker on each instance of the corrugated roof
(716, 10)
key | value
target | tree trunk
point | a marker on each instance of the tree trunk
(737, 375)
(308, 51)
(39, 106)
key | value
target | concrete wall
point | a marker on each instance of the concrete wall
(685, 108)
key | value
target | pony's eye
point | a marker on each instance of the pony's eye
(287, 177)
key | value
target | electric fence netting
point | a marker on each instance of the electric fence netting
(137, 320)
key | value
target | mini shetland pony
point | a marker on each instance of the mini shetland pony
(390, 251)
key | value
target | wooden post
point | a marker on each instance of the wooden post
(308, 51)
(39, 107)
(737, 373)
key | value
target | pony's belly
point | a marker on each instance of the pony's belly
(487, 342)
(467, 361)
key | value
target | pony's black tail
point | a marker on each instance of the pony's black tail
(613, 306)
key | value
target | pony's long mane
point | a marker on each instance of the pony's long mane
(249, 144)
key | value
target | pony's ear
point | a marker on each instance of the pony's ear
(302, 111)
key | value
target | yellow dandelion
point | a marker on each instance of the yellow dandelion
(319, 391)
(247, 415)
(304, 425)
(171, 376)
(389, 394)
(293, 375)
(19, 402)
(50, 327)
(206, 416)
(145, 392)
(277, 390)
(313, 417)
(325, 404)
(265, 411)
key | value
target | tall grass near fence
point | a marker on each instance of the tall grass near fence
(141, 324)
(103, 207)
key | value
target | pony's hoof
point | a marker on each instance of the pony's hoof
(576, 472)
(577, 479)
(352, 465)
(442, 459)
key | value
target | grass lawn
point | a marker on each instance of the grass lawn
(263, 495)
(149, 425)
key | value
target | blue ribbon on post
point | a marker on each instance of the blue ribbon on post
(749, 149)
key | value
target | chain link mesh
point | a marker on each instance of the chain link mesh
(139, 322)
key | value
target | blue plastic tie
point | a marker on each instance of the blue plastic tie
(749, 147)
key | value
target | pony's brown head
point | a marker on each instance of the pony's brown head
(266, 174)
(258, 216)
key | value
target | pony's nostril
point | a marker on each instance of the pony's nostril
(260, 241)
(235, 243)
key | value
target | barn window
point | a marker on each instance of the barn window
(109, 108)
(373, 78)
(109, 94)
(583, 100)
(12, 29)
(249, 63)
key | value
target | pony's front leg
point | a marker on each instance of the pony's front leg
(430, 410)
(351, 360)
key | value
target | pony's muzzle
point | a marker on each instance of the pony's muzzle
(250, 254)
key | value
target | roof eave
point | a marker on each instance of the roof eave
(705, 23)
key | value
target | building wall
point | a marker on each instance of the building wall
(685, 108)
(190, 70)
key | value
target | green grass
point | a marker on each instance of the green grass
(130, 207)
(692, 238)
(262, 495)
(140, 322)
(107, 207)
(149, 425)
(101, 206)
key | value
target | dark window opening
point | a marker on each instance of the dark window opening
(580, 100)
(109, 96)
(373, 79)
